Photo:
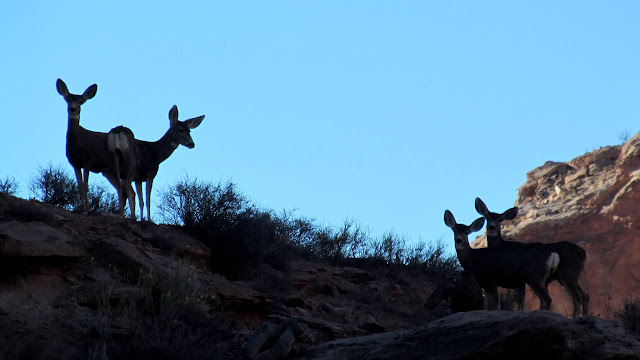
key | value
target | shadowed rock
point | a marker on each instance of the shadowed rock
(462, 291)
(36, 239)
(490, 335)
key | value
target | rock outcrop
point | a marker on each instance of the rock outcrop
(594, 202)
(37, 239)
(490, 335)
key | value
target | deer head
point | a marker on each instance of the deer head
(494, 219)
(460, 231)
(180, 131)
(75, 101)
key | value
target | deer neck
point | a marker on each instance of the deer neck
(465, 257)
(164, 147)
(73, 125)
(73, 121)
(495, 241)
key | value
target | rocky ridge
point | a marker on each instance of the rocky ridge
(73, 286)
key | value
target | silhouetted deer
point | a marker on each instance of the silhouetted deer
(507, 267)
(494, 239)
(148, 155)
(572, 256)
(86, 150)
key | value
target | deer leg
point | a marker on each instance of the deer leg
(130, 161)
(118, 188)
(149, 186)
(520, 297)
(584, 299)
(121, 200)
(575, 299)
(132, 200)
(78, 172)
(140, 199)
(119, 185)
(86, 186)
(578, 295)
(543, 294)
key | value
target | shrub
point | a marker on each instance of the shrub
(9, 186)
(27, 211)
(239, 234)
(391, 248)
(336, 244)
(163, 313)
(297, 230)
(100, 199)
(432, 258)
(53, 185)
(252, 240)
(629, 317)
(624, 135)
(353, 240)
(193, 203)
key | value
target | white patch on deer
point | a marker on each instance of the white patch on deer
(117, 141)
(553, 261)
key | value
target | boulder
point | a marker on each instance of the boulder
(37, 239)
(490, 335)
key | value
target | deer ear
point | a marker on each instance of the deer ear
(477, 225)
(195, 122)
(62, 88)
(481, 208)
(449, 220)
(510, 214)
(90, 92)
(173, 115)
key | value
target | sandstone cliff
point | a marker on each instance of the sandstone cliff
(593, 201)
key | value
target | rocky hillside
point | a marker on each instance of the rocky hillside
(593, 201)
(99, 286)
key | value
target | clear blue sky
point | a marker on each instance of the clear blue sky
(388, 112)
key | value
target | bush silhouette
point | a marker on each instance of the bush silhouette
(240, 235)
(629, 317)
(9, 186)
(53, 185)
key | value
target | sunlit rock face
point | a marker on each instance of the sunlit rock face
(591, 201)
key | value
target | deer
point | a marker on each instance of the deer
(148, 155)
(572, 256)
(494, 239)
(506, 267)
(85, 149)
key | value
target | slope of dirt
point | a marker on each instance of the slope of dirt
(88, 285)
